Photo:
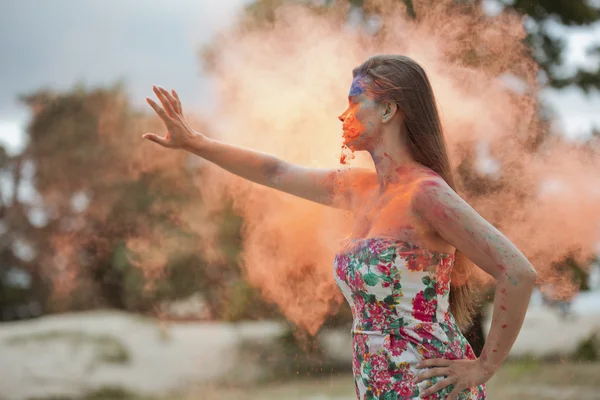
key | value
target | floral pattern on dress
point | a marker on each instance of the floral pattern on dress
(399, 296)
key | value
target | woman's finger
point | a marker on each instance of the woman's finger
(164, 101)
(434, 362)
(161, 113)
(170, 98)
(178, 102)
(157, 139)
(454, 393)
(440, 371)
(438, 386)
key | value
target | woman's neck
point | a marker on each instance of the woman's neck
(391, 157)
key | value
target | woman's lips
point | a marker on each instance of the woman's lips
(351, 132)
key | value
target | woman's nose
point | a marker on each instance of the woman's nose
(342, 117)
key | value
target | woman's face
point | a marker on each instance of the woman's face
(361, 121)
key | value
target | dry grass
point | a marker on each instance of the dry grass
(524, 380)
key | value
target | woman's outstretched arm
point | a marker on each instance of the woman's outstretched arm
(461, 226)
(340, 188)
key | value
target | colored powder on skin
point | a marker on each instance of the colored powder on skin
(358, 86)
(352, 127)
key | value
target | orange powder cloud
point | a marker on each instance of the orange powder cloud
(282, 85)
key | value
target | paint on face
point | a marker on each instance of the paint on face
(358, 86)
(351, 125)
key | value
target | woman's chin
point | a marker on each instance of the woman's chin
(353, 144)
(348, 140)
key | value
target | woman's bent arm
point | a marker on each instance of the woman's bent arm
(461, 226)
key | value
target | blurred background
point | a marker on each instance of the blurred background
(90, 308)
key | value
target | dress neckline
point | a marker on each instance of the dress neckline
(401, 241)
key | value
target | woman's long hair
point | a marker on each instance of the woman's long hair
(401, 80)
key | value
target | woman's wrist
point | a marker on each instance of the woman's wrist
(488, 364)
(198, 144)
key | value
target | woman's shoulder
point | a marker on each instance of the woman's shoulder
(423, 180)
(430, 190)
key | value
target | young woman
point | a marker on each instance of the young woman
(412, 233)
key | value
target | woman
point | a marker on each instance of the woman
(412, 232)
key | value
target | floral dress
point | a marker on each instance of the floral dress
(400, 317)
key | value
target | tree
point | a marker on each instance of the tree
(548, 49)
(107, 223)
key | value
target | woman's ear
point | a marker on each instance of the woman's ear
(389, 110)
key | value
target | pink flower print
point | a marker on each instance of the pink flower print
(394, 345)
(403, 388)
(381, 379)
(377, 246)
(424, 310)
(385, 269)
(469, 353)
(342, 267)
(377, 315)
(355, 281)
(425, 331)
(453, 350)
(443, 276)
(418, 261)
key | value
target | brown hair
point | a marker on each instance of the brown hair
(401, 80)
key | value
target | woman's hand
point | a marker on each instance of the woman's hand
(179, 134)
(462, 374)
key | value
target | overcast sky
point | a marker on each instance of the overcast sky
(56, 43)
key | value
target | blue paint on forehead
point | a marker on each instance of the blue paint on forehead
(358, 86)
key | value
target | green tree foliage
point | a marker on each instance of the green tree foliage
(548, 48)
(90, 196)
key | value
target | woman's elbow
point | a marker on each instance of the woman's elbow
(527, 276)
